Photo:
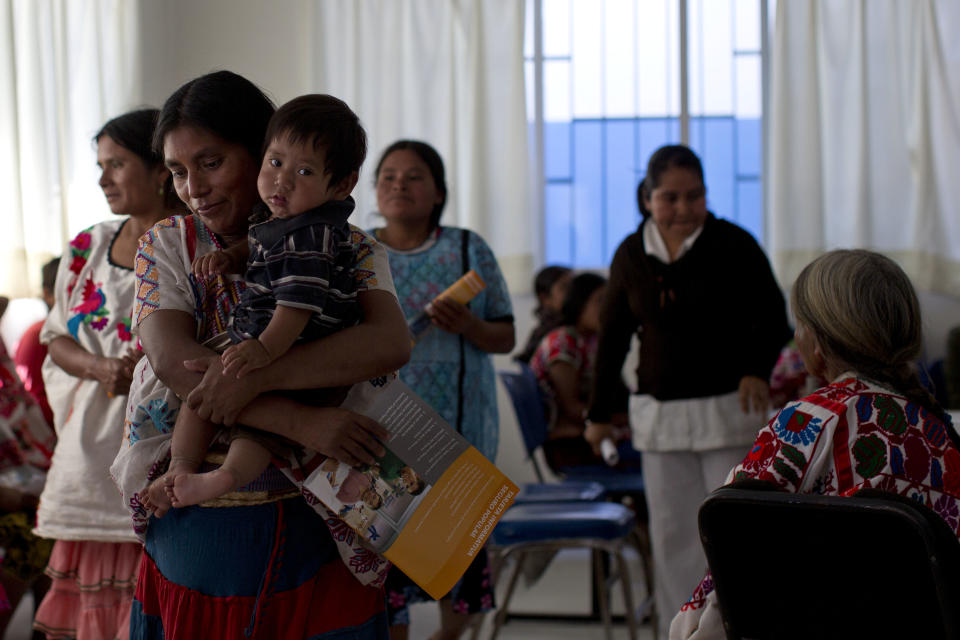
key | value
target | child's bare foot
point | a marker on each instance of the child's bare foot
(194, 488)
(155, 498)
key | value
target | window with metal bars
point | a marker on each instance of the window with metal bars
(609, 81)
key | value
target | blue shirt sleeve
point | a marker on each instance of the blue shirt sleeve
(496, 303)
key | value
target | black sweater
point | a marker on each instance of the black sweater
(704, 321)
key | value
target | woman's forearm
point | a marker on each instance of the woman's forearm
(72, 358)
(113, 374)
(492, 337)
(344, 435)
(377, 346)
(168, 338)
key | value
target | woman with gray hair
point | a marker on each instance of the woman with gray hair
(873, 426)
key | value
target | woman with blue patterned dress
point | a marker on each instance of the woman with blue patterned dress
(450, 367)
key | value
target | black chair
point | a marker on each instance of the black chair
(873, 565)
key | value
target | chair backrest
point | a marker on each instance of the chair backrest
(528, 405)
(874, 565)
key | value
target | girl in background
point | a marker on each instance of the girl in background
(550, 286)
(564, 364)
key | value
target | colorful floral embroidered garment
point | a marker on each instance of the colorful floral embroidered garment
(26, 440)
(165, 281)
(94, 298)
(849, 435)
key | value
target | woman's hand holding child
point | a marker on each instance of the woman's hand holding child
(220, 398)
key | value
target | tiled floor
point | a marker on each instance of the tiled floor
(563, 589)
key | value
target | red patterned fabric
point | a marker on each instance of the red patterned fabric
(330, 600)
(25, 437)
(849, 435)
(565, 344)
(29, 360)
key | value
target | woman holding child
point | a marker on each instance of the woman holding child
(699, 294)
(91, 358)
(258, 561)
(873, 426)
(450, 367)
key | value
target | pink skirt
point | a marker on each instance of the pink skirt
(93, 585)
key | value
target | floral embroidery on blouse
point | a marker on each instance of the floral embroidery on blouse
(91, 311)
(877, 439)
(123, 330)
(79, 253)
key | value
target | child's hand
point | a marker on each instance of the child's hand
(241, 359)
(211, 264)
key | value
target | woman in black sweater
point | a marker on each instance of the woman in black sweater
(700, 295)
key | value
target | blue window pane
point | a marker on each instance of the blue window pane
(750, 207)
(654, 133)
(712, 139)
(588, 193)
(749, 147)
(556, 150)
(674, 129)
(622, 175)
(557, 224)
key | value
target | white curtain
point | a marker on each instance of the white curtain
(864, 138)
(66, 66)
(449, 72)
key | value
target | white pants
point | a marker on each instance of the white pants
(676, 484)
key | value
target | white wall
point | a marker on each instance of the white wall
(266, 42)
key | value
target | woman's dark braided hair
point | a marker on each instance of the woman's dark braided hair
(865, 315)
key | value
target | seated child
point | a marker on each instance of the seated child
(300, 283)
(550, 287)
(564, 364)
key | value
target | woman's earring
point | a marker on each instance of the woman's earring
(160, 191)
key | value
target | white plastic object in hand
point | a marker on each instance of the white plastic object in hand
(608, 449)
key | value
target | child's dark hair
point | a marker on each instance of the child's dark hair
(667, 157)
(223, 103)
(48, 273)
(547, 277)
(327, 123)
(434, 163)
(581, 288)
(134, 132)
